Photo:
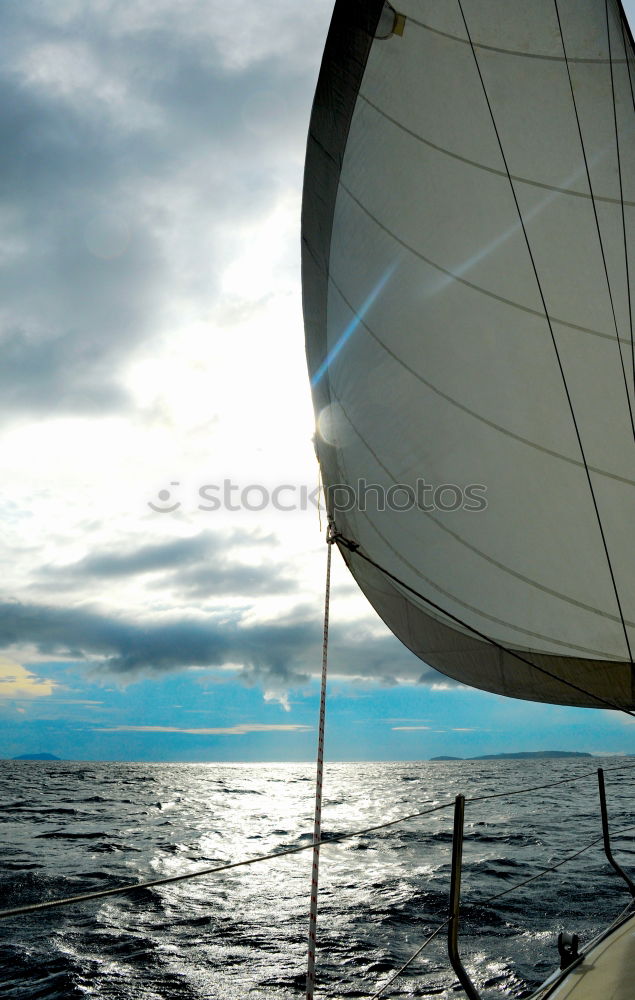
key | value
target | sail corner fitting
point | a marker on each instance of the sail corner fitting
(390, 23)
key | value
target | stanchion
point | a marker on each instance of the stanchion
(605, 834)
(455, 900)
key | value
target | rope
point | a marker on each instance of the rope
(317, 822)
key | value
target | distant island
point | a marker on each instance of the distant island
(532, 754)
(37, 756)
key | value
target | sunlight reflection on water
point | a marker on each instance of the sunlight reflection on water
(244, 932)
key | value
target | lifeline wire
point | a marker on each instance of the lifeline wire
(334, 838)
(317, 823)
(485, 902)
(414, 955)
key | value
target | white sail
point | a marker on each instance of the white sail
(468, 252)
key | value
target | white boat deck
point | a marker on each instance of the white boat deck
(607, 972)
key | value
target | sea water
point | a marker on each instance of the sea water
(70, 827)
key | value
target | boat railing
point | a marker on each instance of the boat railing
(606, 836)
(567, 944)
(567, 947)
(455, 900)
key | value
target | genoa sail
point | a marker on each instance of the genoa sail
(468, 255)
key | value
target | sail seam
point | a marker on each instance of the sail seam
(553, 338)
(483, 555)
(491, 170)
(473, 413)
(347, 49)
(483, 614)
(628, 279)
(595, 211)
(628, 62)
(354, 548)
(621, 185)
(470, 284)
(502, 51)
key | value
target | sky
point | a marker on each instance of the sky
(162, 548)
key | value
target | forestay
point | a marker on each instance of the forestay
(468, 249)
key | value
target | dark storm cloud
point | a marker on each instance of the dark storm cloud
(280, 654)
(197, 567)
(179, 552)
(69, 315)
(130, 140)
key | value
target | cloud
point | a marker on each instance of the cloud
(18, 682)
(178, 553)
(408, 729)
(275, 655)
(139, 142)
(68, 317)
(405, 719)
(224, 579)
(239, 730)
(197, 566)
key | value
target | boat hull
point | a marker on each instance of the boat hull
(605, 969)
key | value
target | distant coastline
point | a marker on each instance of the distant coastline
(531, 754)
(36, 756)
(445, 758)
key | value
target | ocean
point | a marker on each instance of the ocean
(72, 827)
